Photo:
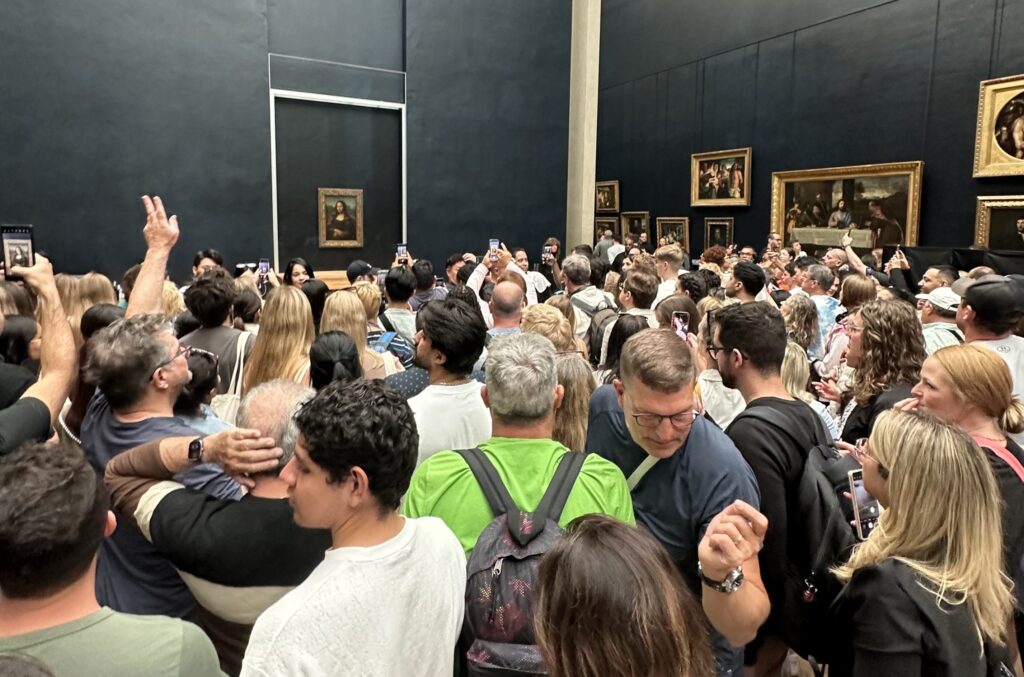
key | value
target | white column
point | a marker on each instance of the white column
(583, 72)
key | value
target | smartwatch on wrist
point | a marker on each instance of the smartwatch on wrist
(195, 450)
(731, 584)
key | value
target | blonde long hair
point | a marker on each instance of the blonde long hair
(892, 348)
(576, 378)
(944, 518)
(801, 317)
(796, 372)
(344, 311)
(981, 378)
(286, 333)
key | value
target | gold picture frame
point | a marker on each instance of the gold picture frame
(718, 231)
(996, 222)
(603, 223)
(344, 233)
(634, 222)
(882, 198)
(999, 136)
(606, 197)
(676, 229)
(720, 178)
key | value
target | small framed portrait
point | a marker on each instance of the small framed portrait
(635, 223)
(718, 231)
(720, 178)
(341, 218)
(999, 139)
(999, 223)
(878, 204)
(607, 197)
(673, 230)
(602, 224)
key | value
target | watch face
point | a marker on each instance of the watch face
(195, 449)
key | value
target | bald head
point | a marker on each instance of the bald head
(270, 408)
(507, 302)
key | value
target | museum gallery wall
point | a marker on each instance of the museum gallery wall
(887, 90)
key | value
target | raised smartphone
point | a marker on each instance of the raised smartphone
(865, 508)
(19, 247)
(681, 323)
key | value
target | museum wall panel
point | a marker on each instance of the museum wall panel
(806, 85)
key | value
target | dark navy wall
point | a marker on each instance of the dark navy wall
(805, 83)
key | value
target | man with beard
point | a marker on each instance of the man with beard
(450, 413)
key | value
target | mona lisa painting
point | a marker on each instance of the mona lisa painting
(341, 217)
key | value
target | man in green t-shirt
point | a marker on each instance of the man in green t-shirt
(53, 517)
(523, 394)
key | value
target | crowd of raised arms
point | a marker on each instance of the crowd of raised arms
(611, 462)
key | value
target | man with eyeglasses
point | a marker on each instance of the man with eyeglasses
(691, 487)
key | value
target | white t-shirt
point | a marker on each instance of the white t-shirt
(404, 322)
(450, 417)
(390, 609)
(1011, 349)
(666, 288)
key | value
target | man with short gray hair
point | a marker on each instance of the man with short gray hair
(586, 299)
(817, 283)
(523, 394)
(237, 557)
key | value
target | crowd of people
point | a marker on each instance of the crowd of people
(608, 463)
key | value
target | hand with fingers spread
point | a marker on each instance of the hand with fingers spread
(734, 536)
(241, 451)
(160, 232)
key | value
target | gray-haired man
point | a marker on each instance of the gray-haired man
(237, 557)
(586, 299)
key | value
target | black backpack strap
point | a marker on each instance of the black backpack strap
(785, 425)
(386, 323)
(553, 501)
(487, 477)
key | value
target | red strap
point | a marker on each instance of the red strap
(1003, 453)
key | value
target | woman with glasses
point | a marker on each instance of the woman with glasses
(924, 593)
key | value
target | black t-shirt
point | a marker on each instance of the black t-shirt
(1011, 489)
(862, 418)
(14, 381)
(27, 420)
(888, 622)
(777, 460)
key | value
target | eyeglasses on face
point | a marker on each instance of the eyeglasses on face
(680, 421)
(182, 350)
(714, 351)
(864, 452)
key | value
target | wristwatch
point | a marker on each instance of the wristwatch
(195, 450)
(730, 585)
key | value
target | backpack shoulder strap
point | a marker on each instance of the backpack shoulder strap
(587, 309)
(487, 477)
(386, 322)
(778, 420)
(956, 335)
(553, 501)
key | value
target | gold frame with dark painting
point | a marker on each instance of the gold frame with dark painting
(338, 230)
(603, 223)
(999, 222)
(878, 204)
(999, 136)
(718, 225)
(720, 178)
(606, 197)
(634, 222)
(679, 226)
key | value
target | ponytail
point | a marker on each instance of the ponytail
(1012, 420)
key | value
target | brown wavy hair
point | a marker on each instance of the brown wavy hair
(801, 316)
(612, 602)
(892, 348)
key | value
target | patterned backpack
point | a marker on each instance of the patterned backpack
(502, 571)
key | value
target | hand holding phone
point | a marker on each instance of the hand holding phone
(681, 323)
(402, 255)
(493, 248)
(19, 248)
(264, 268)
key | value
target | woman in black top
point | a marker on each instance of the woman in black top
(924, 594)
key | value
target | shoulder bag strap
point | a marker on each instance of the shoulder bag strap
(235, 388)
(641, 470)
(487, 477)
(553, 501)
(386, 322)
(1003, 453)
(784, 425)
(587, 309)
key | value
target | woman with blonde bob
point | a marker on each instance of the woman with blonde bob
(612, 602)
(924, 593)
(549, 322)
(281, 349)
(345, 312)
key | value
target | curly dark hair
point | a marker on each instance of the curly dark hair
(362, 423)
(53, 510)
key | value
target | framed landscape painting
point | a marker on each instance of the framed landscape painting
(999, 223)
(606, 196)
(816, 206)
(721, 178)
(999, 137)
(341, 218)
(673, 230)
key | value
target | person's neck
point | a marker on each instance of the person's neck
(973, 332)
(399, 305)
(154, 403)
(366, 528)
(745, 297)
(668, 275)
(755, 386)
(571, 288)
(817, 292)
(539, 430)
(936, 319)
(22, 616)
(976, 424)
(269, 487)
(506, 322)
(443, 377)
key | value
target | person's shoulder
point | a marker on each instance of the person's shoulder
(716, 453)
(441, 464)
(601, 470)
(604, 398)
(181, 640)
(434, 535)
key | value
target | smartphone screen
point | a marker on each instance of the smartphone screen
(401, 253)
(865, 507)
(493, 248)
(681, 323)
(19, 247)
(546, 257)
(264, 266)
